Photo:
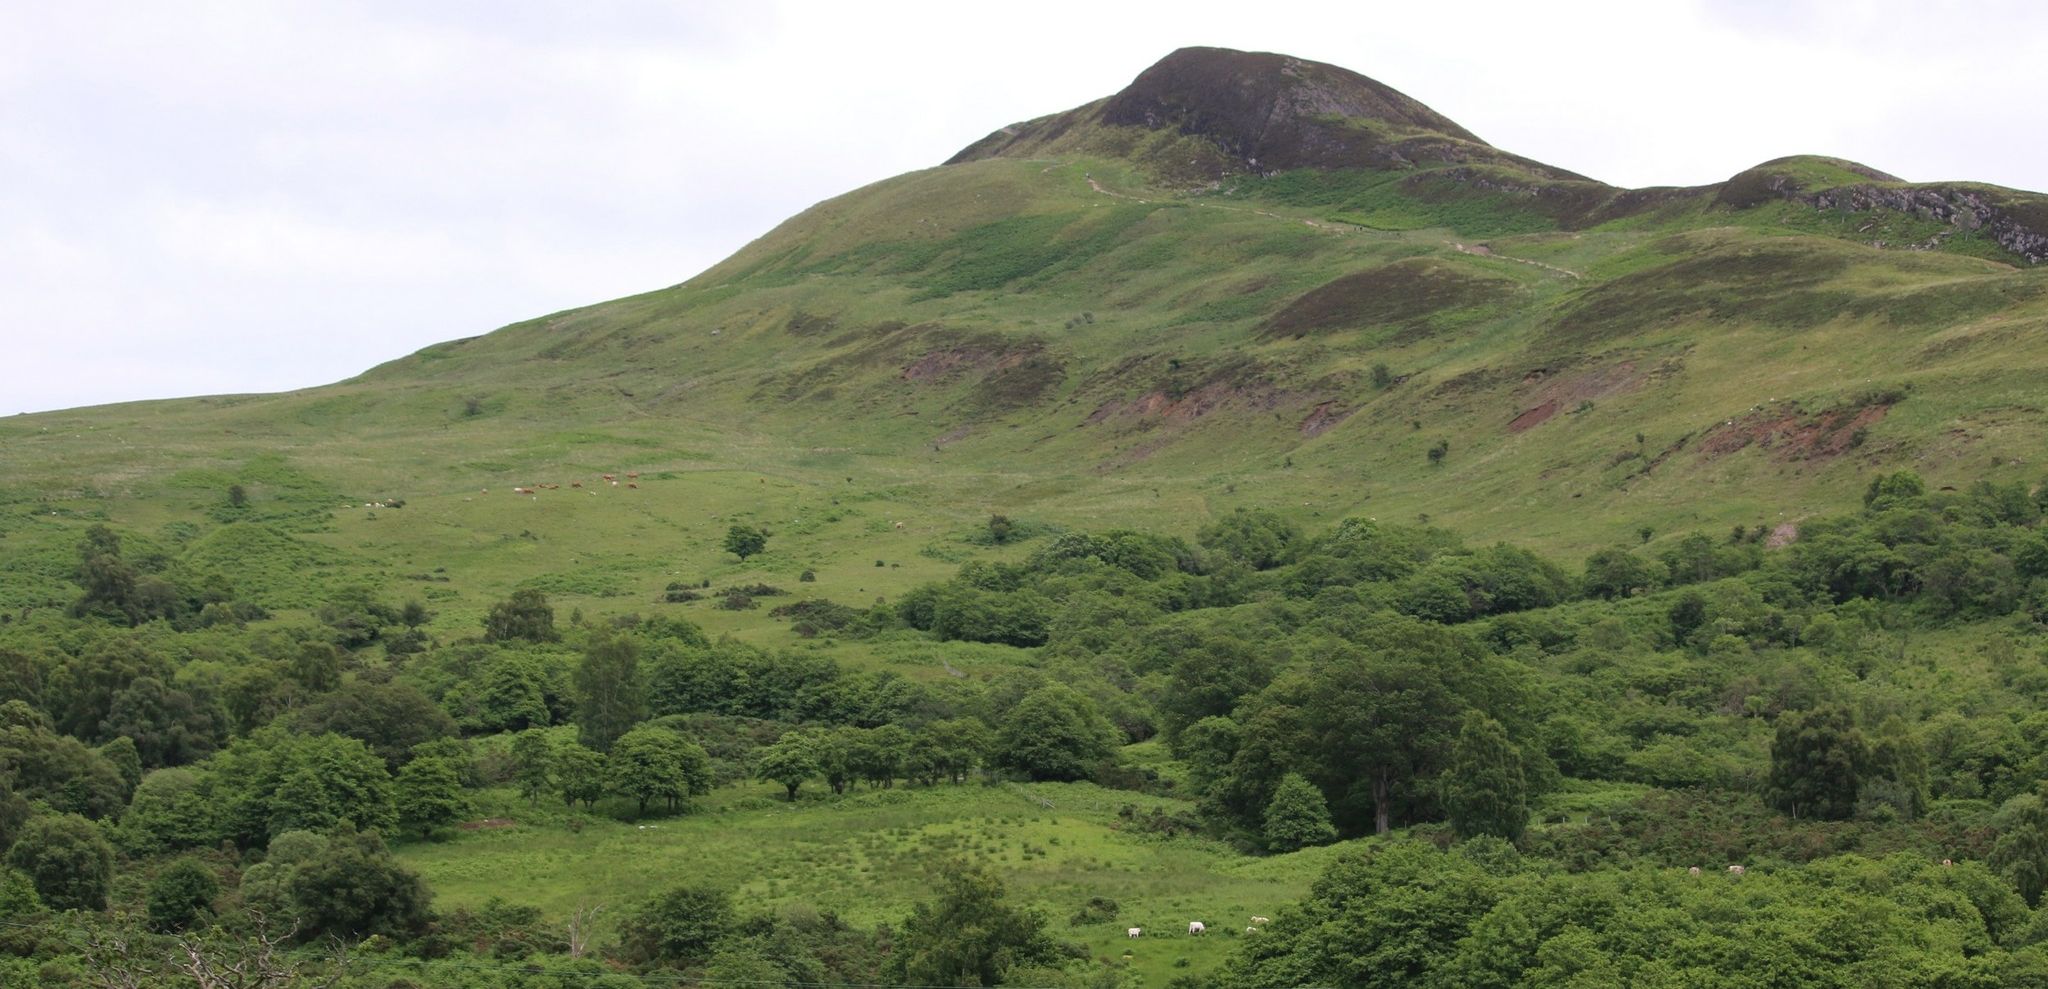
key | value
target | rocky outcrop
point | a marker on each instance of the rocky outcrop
(1960, 207)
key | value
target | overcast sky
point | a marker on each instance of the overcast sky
(201, 197)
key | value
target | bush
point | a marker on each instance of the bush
(353, 888)
(680, 927)
(181, 895)
(67, 859)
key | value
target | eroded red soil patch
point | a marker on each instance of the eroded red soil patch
(1789, 433)
(1554, 393)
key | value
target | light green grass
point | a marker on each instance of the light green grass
(867, 856)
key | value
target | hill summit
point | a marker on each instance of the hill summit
(1254, 112)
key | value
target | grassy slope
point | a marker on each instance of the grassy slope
(736, 401)
(784, 387)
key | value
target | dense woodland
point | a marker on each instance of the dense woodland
(1526, 758)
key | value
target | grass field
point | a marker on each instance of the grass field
(868, 856)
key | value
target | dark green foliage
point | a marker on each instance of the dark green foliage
(182, 895)
(525, 616)
(120, 753)
(745, 540)
(680, 927)
(428, 794)
(171, 809)
(318, 666)
(81, 692)
(1370, 722)
(1258, 539)
(17, 895)
(790, 761)
(354, 617)
(953, 748)
(168, 727)
(1438, 920)
(1887, 490)
(1297, 816)
(650, 763)
(273, 782)
(1617, 573)
(813, 617)
(57, 769)
(353, 888)
(390, 718)
(2021, 854)
(108, 580)
(1485, 791)
(966, 935)
(533, 763)
(610, 691)
(579, 774)
(974, 615)
(1053, 734)
(14, 812)
(1209, 676)
(1818, 759)
(68, 859)
(511, 692)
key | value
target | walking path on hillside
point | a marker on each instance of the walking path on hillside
(1476, 250)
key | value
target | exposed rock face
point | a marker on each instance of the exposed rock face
(1959, 207)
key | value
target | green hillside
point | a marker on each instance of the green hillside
(1256, 358)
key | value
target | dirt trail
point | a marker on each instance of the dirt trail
(1481, 250)
(1474, 249)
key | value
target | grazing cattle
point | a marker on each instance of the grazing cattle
(522, 490)
(1196, 927)
(1736, 870)
(606, 476)
(1133, 931)
(632, 473)
(899, 525)
(1261, 920)
(575, 484)
(1693, 872)
(632, 485)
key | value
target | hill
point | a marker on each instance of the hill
(1068, 299)
(1176, 432)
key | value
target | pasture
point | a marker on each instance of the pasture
(867, 856)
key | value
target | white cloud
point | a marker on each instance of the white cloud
(252, 196)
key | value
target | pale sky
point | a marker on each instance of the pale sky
(206, 197)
